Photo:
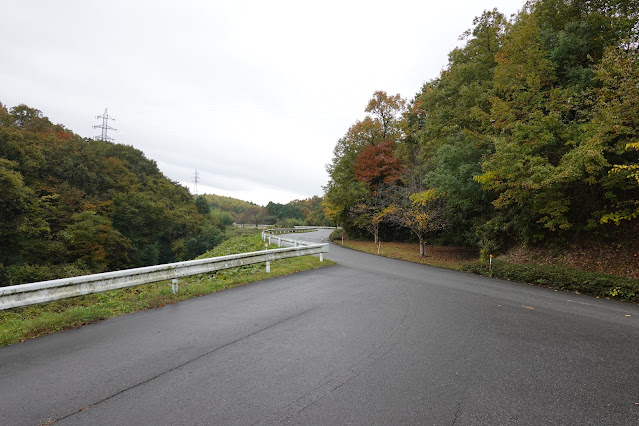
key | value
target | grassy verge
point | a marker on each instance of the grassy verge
(19, 324)
(561, 278)
(443, 257)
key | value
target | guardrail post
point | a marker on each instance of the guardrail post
(268, 266)
(174, 285)
(279, 241)
(295, 243)
(269, 239)
(321, 257)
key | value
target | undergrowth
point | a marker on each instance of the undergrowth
(557, 277)
(593, 283)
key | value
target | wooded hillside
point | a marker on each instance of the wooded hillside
(71, 206)
(530, 135)
(296, 212)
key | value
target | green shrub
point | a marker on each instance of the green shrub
(596, 284)
(21, 274)
(337, 235)
(240, 244)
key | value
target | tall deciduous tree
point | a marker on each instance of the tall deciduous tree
(616, 128)
(363, 159)
(418, 209)
(370, 213)
(386, 110)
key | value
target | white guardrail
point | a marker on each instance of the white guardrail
(47, 291)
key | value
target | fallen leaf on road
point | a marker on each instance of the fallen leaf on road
(628, 315)
(528, 307)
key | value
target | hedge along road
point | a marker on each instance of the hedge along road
(370, 341)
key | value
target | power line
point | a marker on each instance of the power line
(196, 179)
(104, 126)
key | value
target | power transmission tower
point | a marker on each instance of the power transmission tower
(196, 179)
(104, 126)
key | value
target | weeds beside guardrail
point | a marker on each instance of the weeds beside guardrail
(46, 291)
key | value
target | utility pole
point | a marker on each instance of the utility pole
(196, 179)
(104, 126)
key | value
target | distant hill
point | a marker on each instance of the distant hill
(228, 204)
(297, 212)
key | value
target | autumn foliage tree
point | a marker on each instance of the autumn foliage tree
(376, 164)
(365, 162)
(420, 211)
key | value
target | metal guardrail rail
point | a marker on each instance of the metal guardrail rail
(47, 291)
(291, 242)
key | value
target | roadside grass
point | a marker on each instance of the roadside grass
(440, 256)
(19, 324)
(461, 259)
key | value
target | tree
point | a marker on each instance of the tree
(15, 198)
(460, 99)
(29, 118)
(386, 109)
(343, 191)
(223, 218)
(94, 241)
(254, 215)
(532, 136)
(209, 237)
(202, 206)
(376, 164)
(369, 214)
(284, 211)
(363, 159)
(466, 206)
(616, 128)
(418, 209)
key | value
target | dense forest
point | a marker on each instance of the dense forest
(529, 136)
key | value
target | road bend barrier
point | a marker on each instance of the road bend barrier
(46, 291)
(272, 235)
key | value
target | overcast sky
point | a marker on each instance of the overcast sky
(251, 94)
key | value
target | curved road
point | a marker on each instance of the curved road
(370, 341)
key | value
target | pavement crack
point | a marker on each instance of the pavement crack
(337, 379)
(177, 367)
(456, 415)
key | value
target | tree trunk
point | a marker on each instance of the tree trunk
(421, 246)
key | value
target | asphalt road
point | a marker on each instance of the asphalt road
(370, 341)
